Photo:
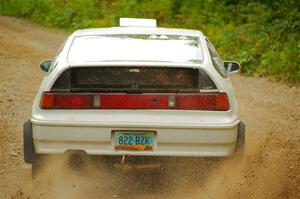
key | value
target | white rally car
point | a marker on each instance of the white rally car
(135, 90)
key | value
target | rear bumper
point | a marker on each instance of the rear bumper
(171, 139)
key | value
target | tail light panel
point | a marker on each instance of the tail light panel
(178, 101)
(64, 101)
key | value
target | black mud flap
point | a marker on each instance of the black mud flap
(241, 135)
(241, 138)
(28, 147)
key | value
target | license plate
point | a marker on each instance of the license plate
(134, 140)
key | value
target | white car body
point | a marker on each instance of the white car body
(178, 132)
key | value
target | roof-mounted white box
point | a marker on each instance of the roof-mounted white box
(137, 22)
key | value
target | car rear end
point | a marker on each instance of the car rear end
(138, 107)
(156, 111)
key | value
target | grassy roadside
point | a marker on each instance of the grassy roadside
(264, 36)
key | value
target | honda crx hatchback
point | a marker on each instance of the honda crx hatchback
(135, 90)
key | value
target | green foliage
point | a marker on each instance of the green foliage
(263, 35)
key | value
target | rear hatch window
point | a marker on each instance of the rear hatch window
(132, 80)
(152, 48)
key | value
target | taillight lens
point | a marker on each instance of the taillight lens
(183, 101)
(64, 101)
(214, 101)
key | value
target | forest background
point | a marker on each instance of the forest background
(264, 35)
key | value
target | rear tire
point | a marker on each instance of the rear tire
(77, 162)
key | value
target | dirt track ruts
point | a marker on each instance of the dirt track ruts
(270, 167)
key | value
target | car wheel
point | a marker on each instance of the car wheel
(77, 161)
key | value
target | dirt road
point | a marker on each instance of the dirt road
(270, 167)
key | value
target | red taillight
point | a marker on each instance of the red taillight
(208, 101)
(47, 101)
(183, 101)
(64, 101)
